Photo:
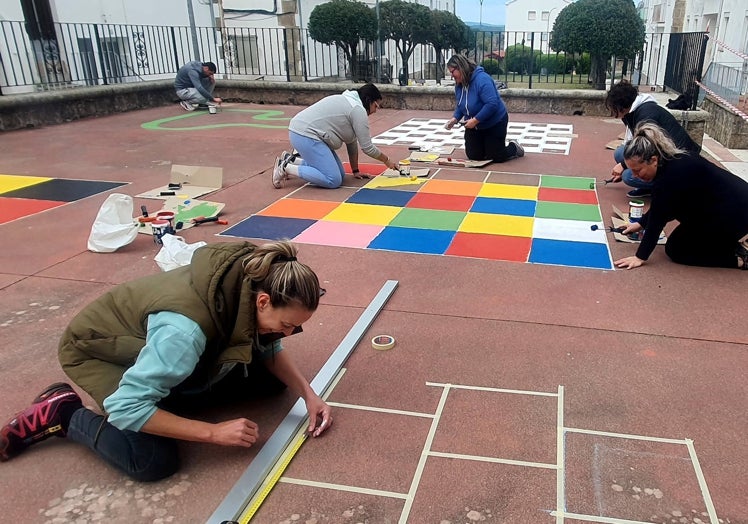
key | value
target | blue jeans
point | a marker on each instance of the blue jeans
(145, 457)
(628, 177)
(320, 165)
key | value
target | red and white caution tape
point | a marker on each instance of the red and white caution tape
(738, 53)
(723, 101)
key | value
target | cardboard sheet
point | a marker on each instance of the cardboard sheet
(184, 211)
(420, 156)
(622, 219)
(193, 181)
(421, 172)
(462, 162)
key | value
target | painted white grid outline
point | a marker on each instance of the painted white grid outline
(535, 138)
(560, 512)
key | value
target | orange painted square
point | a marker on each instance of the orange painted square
(441, 202)
(452, 187)
(299, 208)
(493, 247)
(570, 196)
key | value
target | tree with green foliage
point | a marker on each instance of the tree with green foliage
(407, 24)
(521, 59)
(447, 32)
(343, 23)
(604, 28)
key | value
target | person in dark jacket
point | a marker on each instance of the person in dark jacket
(194, 85)
(710, 204)
(151, 350)
(625, 102)
(480, 109)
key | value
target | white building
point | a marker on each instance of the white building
(526, 19)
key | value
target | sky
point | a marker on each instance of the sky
(470, 11)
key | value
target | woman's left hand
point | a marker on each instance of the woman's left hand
(471, 123)
(629, 262)
(320, 416)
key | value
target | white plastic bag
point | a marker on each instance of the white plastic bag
(114, 226)
(175, 252)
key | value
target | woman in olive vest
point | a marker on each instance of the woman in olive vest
(149, 349)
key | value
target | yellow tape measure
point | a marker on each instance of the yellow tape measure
(272, 479)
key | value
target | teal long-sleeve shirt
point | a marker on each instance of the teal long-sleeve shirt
(173, 346)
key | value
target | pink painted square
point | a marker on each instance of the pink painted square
(339, 234)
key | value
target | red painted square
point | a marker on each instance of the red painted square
(441, 202)
(494, 247)
(571, 196)
(368, 169)
(14, 208)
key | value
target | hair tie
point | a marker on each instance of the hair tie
(283, 258)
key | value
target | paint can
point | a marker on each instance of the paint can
(160, 228)
(636, 210)
(404, 166)
(212, 110)
(169, 217)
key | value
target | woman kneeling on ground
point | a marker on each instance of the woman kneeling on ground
(151, 350)
(710, 204)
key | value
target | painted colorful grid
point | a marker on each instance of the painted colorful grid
(541, 219)
(21, 196)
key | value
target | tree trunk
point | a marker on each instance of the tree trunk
(598, 71)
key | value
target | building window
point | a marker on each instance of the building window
(532, 15)
(545, 15)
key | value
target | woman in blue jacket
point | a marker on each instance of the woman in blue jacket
(483, 112)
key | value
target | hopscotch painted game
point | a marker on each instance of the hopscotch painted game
(541, 219)
(430, 132)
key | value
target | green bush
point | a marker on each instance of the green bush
(491, 66)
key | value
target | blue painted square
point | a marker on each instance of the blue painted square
(566, 253)
(412, 240)
(381, 197)
(270, 228)
(504, 206)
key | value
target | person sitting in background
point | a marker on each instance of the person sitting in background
(195, 83)
(710, 204)
(152, 350)
(317, 131)
(625, 102)
(486, 116)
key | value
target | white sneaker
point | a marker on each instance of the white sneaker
(186, 105)
(287, 158)
(279, 174)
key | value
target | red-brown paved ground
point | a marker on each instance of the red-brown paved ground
(657, 352)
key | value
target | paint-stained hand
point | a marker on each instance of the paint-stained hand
(238, 432)
(320, 416)
(450, 123)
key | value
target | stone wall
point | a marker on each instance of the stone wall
(725, 127)
(55, 107)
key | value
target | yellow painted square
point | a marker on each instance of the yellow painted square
(363, 214)
(509, 191)
(383, 181)
(492, 224)
(13, 182)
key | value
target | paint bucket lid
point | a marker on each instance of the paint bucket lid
(636, 203)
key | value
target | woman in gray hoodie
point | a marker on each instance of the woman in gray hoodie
(320, 129)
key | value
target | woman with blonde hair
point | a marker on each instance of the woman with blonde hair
(710, 204)
(153, 349)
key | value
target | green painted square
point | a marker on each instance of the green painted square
(429, 219)
(566, 182)
(566, 211)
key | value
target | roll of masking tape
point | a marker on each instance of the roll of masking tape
(383, 342)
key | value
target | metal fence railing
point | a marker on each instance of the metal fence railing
(76, 54)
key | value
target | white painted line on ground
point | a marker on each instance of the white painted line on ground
(424, 455)
(341, 487)
(560, 459)
(496, 390)
(625, 435)
(381, 410)
(702, 483)
(604, 520)
(479, 458)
